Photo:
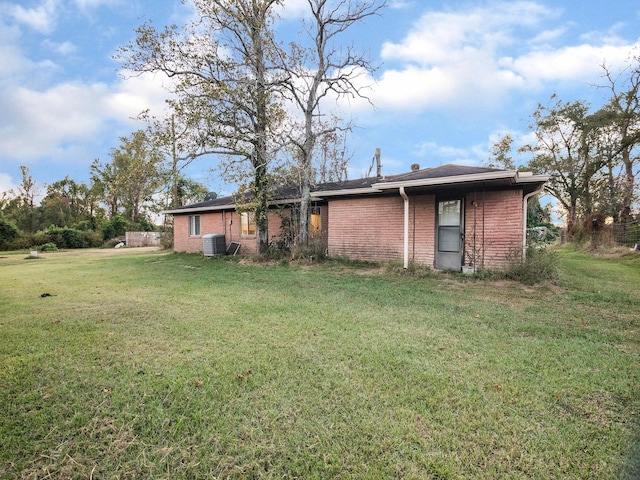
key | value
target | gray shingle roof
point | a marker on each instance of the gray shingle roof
(291, 193)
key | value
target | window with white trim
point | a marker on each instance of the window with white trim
(194, 225)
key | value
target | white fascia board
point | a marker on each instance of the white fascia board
(198, 209)
(347, 191)
(532, 178)
(228, 206)
(452, 180)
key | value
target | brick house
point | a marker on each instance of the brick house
(444, 217)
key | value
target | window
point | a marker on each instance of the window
(315, 221)
(248, 223)
(194, 225)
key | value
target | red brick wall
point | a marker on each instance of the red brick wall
(366, 228)
(212, 222)
(218, 222)
(496, 220)
(422, 229)
(372, 229)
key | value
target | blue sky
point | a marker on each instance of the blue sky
(454, 77)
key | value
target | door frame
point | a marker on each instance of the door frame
(449, 259)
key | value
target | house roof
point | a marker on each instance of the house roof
(422, 179)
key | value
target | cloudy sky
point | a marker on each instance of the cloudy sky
(454, 77)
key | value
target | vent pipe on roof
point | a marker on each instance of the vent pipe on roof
(378, 166)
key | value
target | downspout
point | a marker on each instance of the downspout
(524, 217)
(406, 227)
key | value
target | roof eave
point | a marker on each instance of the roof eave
(199, 209)
(451, 180)
(346, 191)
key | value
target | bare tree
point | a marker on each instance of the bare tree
(322, 69)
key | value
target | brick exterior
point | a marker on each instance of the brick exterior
(218, 222)
(493, 227)
(371, 228)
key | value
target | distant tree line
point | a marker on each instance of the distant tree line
(123, 194)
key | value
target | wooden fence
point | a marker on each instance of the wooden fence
(142, 239)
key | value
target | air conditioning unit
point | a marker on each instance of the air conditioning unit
(213, 244)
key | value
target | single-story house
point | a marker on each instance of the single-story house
(444, 217)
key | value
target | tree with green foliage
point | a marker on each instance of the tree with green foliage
(567, 137)
(501, 153)
(129, 182)
(69, 204)
(623, 110)
(8, 231)
(222, 65)
(21, 209)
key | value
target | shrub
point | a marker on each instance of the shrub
(413, 269)
(8, 231)
(72, 238)
(314, 252)
(48, 247)
(166, 239)
(21, 242)
(538, 265)
(40, 238)
(117, 227)
(94, 239)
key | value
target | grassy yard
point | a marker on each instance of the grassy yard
(166, 366)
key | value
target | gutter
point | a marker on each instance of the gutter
(524, 218)
(406, 227)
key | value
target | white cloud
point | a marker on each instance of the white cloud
(400, 4)
(87, 4)
(6, 183)
(471, 155)
(567, 63)
(41, 121)
(11, 57)
(294, 9)
(549, 35)
(138, 93)
(44, 124)
(41, 18)
(448, 37)
(474, 59)
(62, 48)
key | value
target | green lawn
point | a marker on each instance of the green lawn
(159, 365)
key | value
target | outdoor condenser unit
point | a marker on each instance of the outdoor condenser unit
(213, 244)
